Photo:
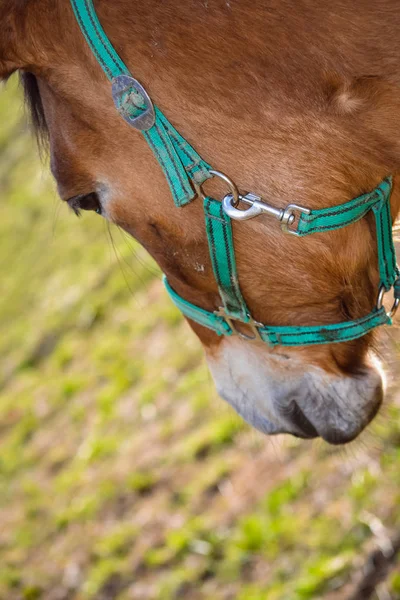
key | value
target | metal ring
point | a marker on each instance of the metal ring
(232, 185)
(234, 192)
(379, 303)
(289, 216)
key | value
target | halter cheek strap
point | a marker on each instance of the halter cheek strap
(186, 171)
(179, 161)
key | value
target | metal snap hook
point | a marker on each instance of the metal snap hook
(254, 210)
(230, 202)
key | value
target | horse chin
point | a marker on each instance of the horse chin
(278, 394)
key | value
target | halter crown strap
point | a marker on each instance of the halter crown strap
(179, 161)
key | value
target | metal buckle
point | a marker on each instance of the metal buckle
(289, 217)
(379, 303)
(121, 85)
(252, 324)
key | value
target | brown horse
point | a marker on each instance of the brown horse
(298, 101)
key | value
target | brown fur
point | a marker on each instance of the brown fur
(295, 101)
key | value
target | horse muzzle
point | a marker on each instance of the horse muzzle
(276, 396)
(336, 409)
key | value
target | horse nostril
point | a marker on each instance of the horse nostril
(341, 410)
(304, 427)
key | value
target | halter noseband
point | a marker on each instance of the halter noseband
(186, 171)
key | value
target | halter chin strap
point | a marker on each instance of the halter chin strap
(186, 171)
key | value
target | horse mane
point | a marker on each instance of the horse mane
(34, 105)
(13, 12)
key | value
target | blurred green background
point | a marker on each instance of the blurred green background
(122, 474)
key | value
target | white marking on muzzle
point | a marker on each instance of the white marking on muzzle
(266, 388)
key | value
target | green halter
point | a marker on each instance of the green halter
(186, 171)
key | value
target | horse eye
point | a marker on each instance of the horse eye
(85, 202)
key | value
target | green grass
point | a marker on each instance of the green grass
(122, 475)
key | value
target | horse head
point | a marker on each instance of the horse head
(296, 103)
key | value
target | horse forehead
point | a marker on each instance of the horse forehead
(37, 32)
(156, 28)
(216, 115)
(45, 34)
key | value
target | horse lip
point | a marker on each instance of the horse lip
(310, 434)
(342, 414)
(304, 428)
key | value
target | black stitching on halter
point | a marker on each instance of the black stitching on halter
(172, 156)
(100, 38)
(386, 243)
(181, 146)
(236, 292)
(213, 248)
(93, 48)
(393, 258)
(334, 213)
(346, 338)
(332, 227)
(383, 245)
(194, 166)
(210, 231)
(161, 160)
(318, 330)
(198, 164)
